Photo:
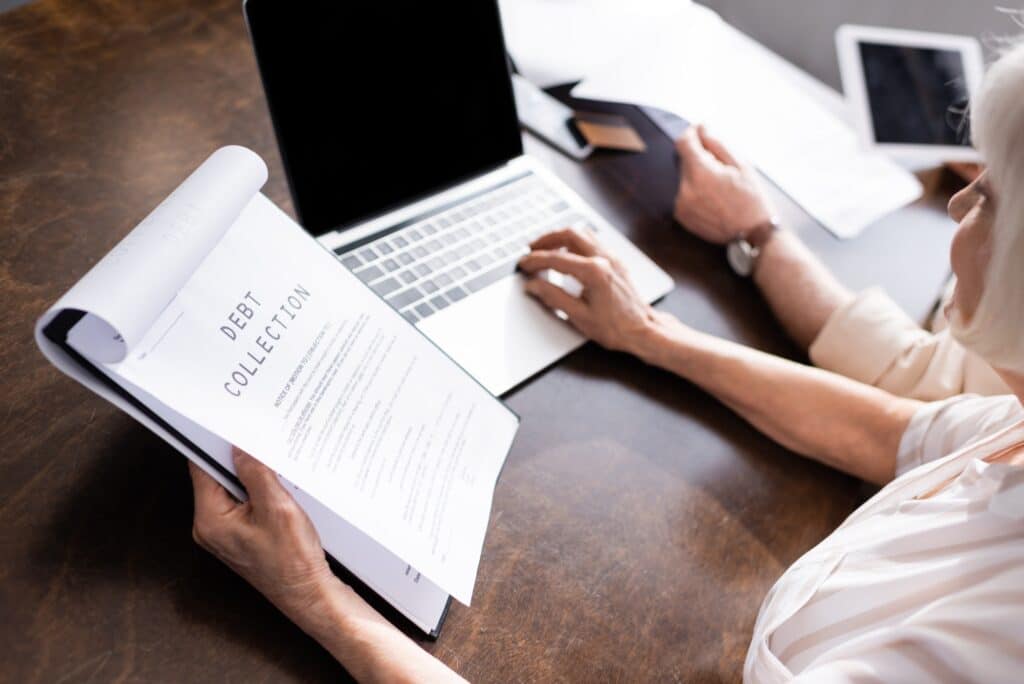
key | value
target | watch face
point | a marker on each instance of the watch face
(741, 258)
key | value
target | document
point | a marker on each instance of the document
(561, 41)
(238, 328)
(703, 70)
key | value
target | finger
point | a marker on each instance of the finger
(555, 297)
(691, 150)
(583, 269)
(210, 498)
(260, 481)
(572, 240)
(715, 146)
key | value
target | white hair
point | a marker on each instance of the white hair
(996, 329)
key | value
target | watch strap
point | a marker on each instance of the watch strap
(761, 233)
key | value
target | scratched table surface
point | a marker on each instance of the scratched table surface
(637, 524)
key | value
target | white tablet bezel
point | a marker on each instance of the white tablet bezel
(848, 38)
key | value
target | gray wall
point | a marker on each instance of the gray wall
(11, 4)
(803, 31)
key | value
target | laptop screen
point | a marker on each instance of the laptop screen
(376, 104)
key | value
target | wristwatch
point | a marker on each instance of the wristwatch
(743, 252)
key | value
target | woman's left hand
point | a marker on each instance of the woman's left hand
(268, 540)
(609, 310)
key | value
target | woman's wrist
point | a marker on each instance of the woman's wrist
(322, 613)
(659, 338)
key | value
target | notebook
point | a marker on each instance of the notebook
(218, 321)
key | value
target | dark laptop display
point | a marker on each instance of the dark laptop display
(377, 104)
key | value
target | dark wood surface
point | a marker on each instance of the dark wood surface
(637, 525)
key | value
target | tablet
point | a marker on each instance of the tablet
(909, 90)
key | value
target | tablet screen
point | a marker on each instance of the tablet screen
(917, 96)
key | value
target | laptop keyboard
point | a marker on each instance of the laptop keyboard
(441, 258)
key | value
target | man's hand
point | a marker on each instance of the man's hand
(719, 199)
(609, 310)
(268, 540)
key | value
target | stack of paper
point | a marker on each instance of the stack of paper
(218, 321)
(562, 41)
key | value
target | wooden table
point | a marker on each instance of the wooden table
(636, 527)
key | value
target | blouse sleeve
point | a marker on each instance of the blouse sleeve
(872, 340)
(941, 427)
(974, 635)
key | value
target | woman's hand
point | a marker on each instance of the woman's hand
(272, 543)
(609, 310)
(719, 198)
(268, 540)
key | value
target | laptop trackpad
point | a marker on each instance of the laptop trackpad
(501, 335)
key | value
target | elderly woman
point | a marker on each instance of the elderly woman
(925, 582)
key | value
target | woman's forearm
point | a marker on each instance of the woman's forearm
(850, 426)
(367, 645)
(800, 290)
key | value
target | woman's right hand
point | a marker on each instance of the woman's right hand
(609, 310)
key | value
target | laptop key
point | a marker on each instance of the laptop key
(415, 235)
(351, 261)
(473, 265)
(384, 248)
(407, 277)
(443, 279)
(405, 258)
(419, 251)
(369, 273)
(439, 302)
(411, 316)
(435, 263)
(424, 310)
(490, 277)
(400, 241)
(404, 299)
(428, 286)
(367, 255)
(455, 294)
(457, 272)
(390, 265)
(428, 229)
(422, 270)
(385, 287)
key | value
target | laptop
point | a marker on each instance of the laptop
(397, 127)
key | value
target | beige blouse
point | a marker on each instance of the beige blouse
(923, 583)
(872, 340)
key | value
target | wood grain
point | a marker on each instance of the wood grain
(636, 527)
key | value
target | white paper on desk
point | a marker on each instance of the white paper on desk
(709, 72)
(326, 384)
(561, 41)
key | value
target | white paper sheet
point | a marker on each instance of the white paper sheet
(415, 596)
(561, 41)
(709, 72)
(274, 347)
(181, 231)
